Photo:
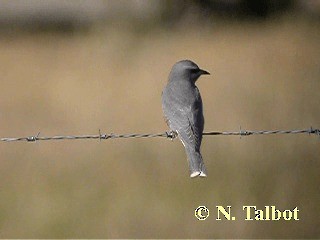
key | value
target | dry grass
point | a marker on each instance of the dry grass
(264, 76)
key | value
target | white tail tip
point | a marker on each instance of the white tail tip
(198, 173)
(195, 174)
(202, 174)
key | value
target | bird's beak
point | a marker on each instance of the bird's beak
(204, 72)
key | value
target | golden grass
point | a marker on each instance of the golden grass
(264, 76)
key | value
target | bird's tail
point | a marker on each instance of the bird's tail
(196, 164)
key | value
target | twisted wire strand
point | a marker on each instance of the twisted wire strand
(170, 135)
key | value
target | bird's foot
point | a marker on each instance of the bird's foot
(172, 134)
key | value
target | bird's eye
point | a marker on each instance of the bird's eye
(194, 70)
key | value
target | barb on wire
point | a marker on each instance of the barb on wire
(170, 135)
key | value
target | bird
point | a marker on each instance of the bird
(183, 111)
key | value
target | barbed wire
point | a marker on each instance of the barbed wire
(170, 135)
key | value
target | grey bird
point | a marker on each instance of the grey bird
(182, 108)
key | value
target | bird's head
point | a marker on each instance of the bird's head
(186, 70)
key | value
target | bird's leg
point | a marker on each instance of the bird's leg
(172, 134)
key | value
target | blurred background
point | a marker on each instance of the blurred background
(74, 67)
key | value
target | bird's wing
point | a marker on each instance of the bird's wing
(186, 119)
